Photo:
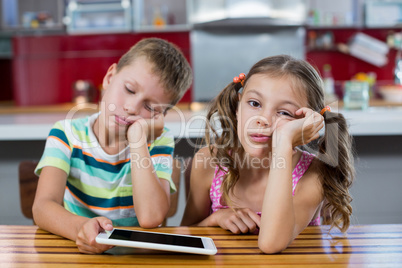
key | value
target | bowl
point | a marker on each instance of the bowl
(391, 93)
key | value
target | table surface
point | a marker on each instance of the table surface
(362, 246)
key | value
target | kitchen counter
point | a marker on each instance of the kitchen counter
(35, 123)
(377, 143)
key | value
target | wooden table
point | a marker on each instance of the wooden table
(363, 246)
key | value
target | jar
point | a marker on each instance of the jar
(83, 91)
(356, 96)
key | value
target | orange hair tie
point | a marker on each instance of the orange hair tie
(240, 79)
(326, 108)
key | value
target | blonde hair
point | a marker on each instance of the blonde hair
(335, 147)
(168, 63)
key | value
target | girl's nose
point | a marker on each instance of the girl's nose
(262, 122)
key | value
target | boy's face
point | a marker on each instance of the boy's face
(132, 93)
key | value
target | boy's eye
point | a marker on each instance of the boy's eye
(254, 104)
(149, 108)
(153, 109)
(129, 90)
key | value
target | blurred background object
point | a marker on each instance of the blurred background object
(239, 33)
(83, 92)
(380, 13)
(84, 16)
(25, 15)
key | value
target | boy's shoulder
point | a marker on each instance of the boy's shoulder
(79, 123)
(165, 139)
(74, 129)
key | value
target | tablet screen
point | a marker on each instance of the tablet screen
(157, 238)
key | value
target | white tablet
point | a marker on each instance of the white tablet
(158, 241)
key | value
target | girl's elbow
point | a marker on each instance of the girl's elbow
(271, 246)
(149, 225)
(150, 222)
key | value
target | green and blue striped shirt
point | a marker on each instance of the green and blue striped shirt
(99, 184)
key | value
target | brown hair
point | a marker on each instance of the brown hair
(334, 148)
(168, 62)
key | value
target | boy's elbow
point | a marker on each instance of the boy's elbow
(35, 211)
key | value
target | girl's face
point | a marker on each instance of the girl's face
(265, 104)
(132, 93)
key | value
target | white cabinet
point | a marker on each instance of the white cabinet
(17, 15)
(161, 15)
(99, 16)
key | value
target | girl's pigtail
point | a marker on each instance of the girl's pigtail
(223, 109)
(337, 171)
(222, 140)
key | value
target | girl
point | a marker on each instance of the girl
(251, 174)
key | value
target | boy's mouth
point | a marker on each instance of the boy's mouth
(123, 121)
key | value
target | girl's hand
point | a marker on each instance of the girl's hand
(145, 130)
(240, 220)
(302, 130)
(89, 230)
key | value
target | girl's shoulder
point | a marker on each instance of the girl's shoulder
(204, 156)
(312, 173)
(204, 163)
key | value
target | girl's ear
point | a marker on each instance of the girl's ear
(108, 76)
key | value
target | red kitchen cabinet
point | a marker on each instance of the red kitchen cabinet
(45, 67)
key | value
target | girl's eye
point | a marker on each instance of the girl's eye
(254, 104)
(284, 113)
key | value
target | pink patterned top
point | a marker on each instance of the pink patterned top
(301, 167)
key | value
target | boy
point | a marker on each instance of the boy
(108, 168)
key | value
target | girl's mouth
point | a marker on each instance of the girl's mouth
(260, 138)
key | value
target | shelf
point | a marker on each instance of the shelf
(167, 28)
(334, 27)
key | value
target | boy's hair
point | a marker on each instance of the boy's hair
(334, 149)
(168, 63)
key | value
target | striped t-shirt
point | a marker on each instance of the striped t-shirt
(99, 184)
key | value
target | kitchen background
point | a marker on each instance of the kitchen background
(47, 45)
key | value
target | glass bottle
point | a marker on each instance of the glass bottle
(329, 84)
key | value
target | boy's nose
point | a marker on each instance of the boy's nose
(132, 108)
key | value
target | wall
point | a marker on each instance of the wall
(345, 66)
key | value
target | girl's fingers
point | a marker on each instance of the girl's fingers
(250, 219)
(255, 218)
(304, 112)
(249, 224)
(240, 225)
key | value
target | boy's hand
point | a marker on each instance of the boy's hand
(241, 220)
(145, 130)
(302, 130)
(86, 242)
